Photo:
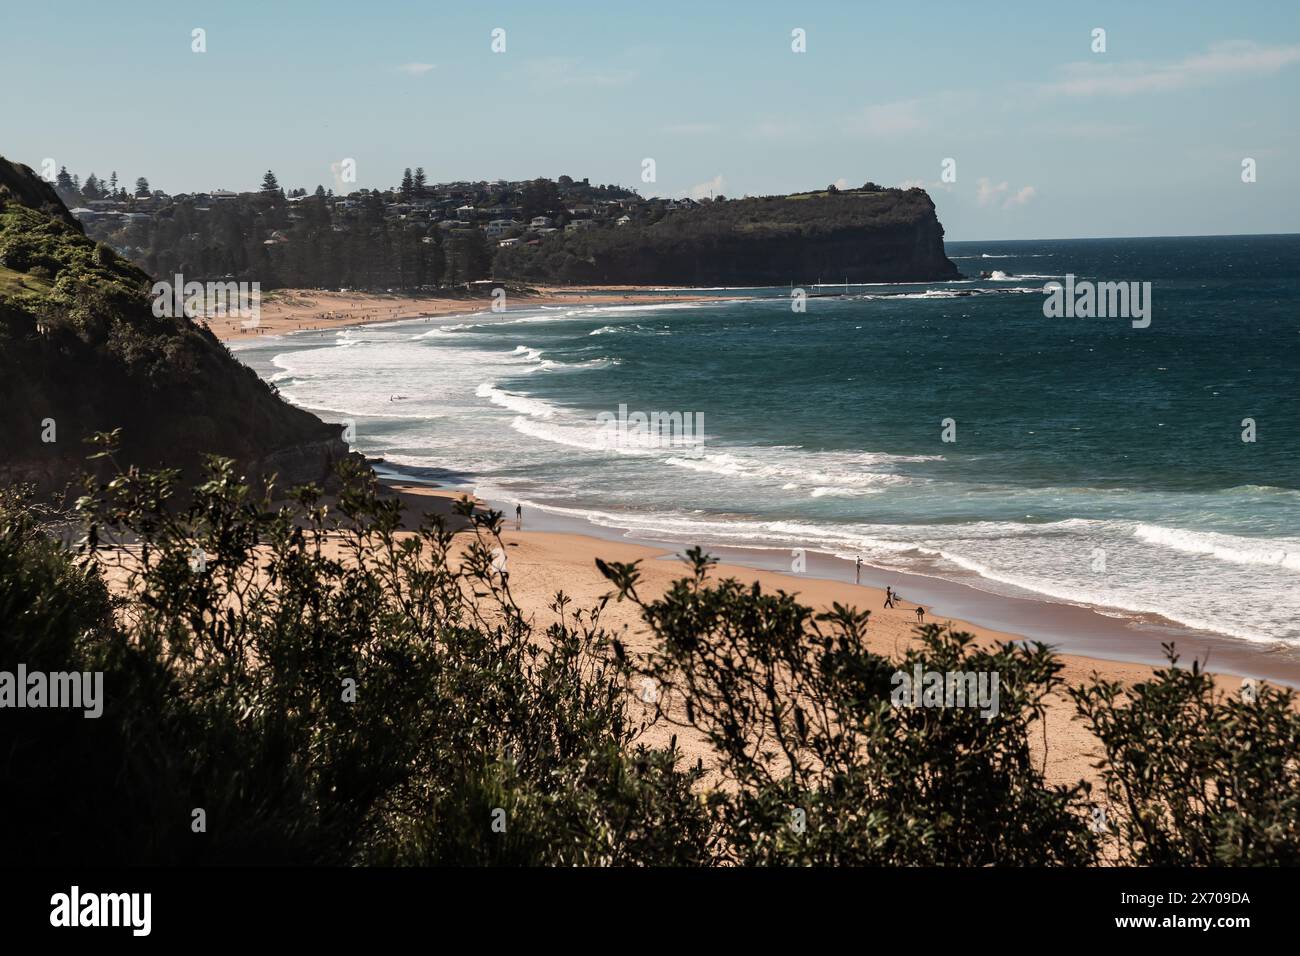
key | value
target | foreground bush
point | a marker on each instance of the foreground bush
(1194, 777)
(326, 690)
(372, 705)
(826, 769)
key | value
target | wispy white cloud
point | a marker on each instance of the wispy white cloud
(415, 69)
(1021, 197)
(1237, 58)
(988, 194)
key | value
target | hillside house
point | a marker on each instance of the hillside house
(500, 227)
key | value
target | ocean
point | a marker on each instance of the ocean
(1091, 462)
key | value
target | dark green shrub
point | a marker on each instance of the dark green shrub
(823, 768)
(374, 703)
(1195, 777)
(330, 691)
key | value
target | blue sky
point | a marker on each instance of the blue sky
(1050, 139)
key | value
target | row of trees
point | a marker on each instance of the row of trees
(74, 192)
(379, 256)
(262, 237)
(320, 249)
(314, 243)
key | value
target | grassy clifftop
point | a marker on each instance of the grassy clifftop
(81, 351)
(863, 235)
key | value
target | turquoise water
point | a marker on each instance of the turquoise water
(1093, 462)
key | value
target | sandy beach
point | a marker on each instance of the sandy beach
(302, 310)
(543, 562)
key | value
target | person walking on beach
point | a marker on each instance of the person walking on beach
(858, 575)
(889, 596)
(920, 614)
(519, 516)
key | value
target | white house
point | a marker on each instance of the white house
(499, 227)
(541, 222)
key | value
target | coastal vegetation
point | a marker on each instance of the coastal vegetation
(295, 677)
(82, 351)
(292, 681)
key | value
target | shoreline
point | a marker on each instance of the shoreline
(543, 560)
(1073, 630)
(286, 311)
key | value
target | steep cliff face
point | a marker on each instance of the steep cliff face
(877, 235)
(81, 351)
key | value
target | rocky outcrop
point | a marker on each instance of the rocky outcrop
(81, 352)
(868, 235)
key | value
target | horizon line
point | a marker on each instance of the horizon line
(1189, 235)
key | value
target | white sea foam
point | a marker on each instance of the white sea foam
(593, 437)
(1109, 600)
(441, 398)
(930, 555)
(950, 294)
(532, 354)
(522, 404)
(1224, 547)
(841, 492)
(820, 472)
